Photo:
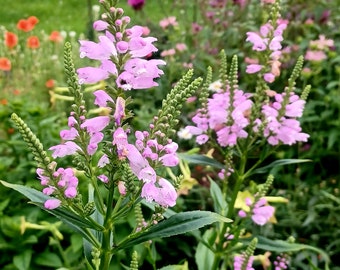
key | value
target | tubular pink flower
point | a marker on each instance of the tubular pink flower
(162, 193)
(52, 204)
(65, 149)
(253, 68)
(102, 98)
(96, 124)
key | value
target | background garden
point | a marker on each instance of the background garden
(190, 34)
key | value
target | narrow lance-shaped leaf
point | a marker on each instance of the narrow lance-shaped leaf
(277, 163)
(38, 198)
(177, 224)
(202, 160)
(281, 246)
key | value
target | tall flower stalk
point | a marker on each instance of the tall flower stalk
(121, 169)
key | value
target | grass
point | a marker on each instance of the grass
(66, 15)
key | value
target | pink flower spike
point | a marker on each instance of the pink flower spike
(52, 204)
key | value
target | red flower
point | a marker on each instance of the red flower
(33, 20)
(49, 83)
(5, 64)
(27, 25)
(11, 40)
(33, 42)
(55, 37)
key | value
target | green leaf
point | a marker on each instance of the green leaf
(220, 205)
(176, 224)
(277, 163)
(176, 267)
(204, 256)
(202, 160)
(23, 260)
(48, 259)
(281, 246)
(38, 198)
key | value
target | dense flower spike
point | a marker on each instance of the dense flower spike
(121, 43)
(268, 41)
(280, 124)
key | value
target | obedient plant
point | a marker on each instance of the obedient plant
(121, 167)
(245, 128)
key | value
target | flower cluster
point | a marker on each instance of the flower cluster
(239, 260)
(269, 39)
(61, 183)
(280, 119)
(260, 211)
(226, 115)
(143, 157)
(121, 53)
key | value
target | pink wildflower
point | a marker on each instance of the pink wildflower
(239, 260)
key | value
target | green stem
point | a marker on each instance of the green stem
(240, 176)
(106, 254)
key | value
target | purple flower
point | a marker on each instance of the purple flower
(136, 4)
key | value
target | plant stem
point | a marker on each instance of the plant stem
(106, 254)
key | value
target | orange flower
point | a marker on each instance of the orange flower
(11, 40)
(55, 37)
(33, 20)
(33, 42)
(3, 101)
(5, 64)
(27, 25)
(16, 92)
(49, 83)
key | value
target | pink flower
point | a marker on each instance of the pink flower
(315, 56)
(139, 74)
(170, 21)
(100, 25)
(96, 124)
(65, 149)
(262, 212)
(102, 98)
(52, 204)
(253, 68)
(162, 193)
(119, 111)
(259, 43)
(92, 75)
(238, 262)
(102, 50)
